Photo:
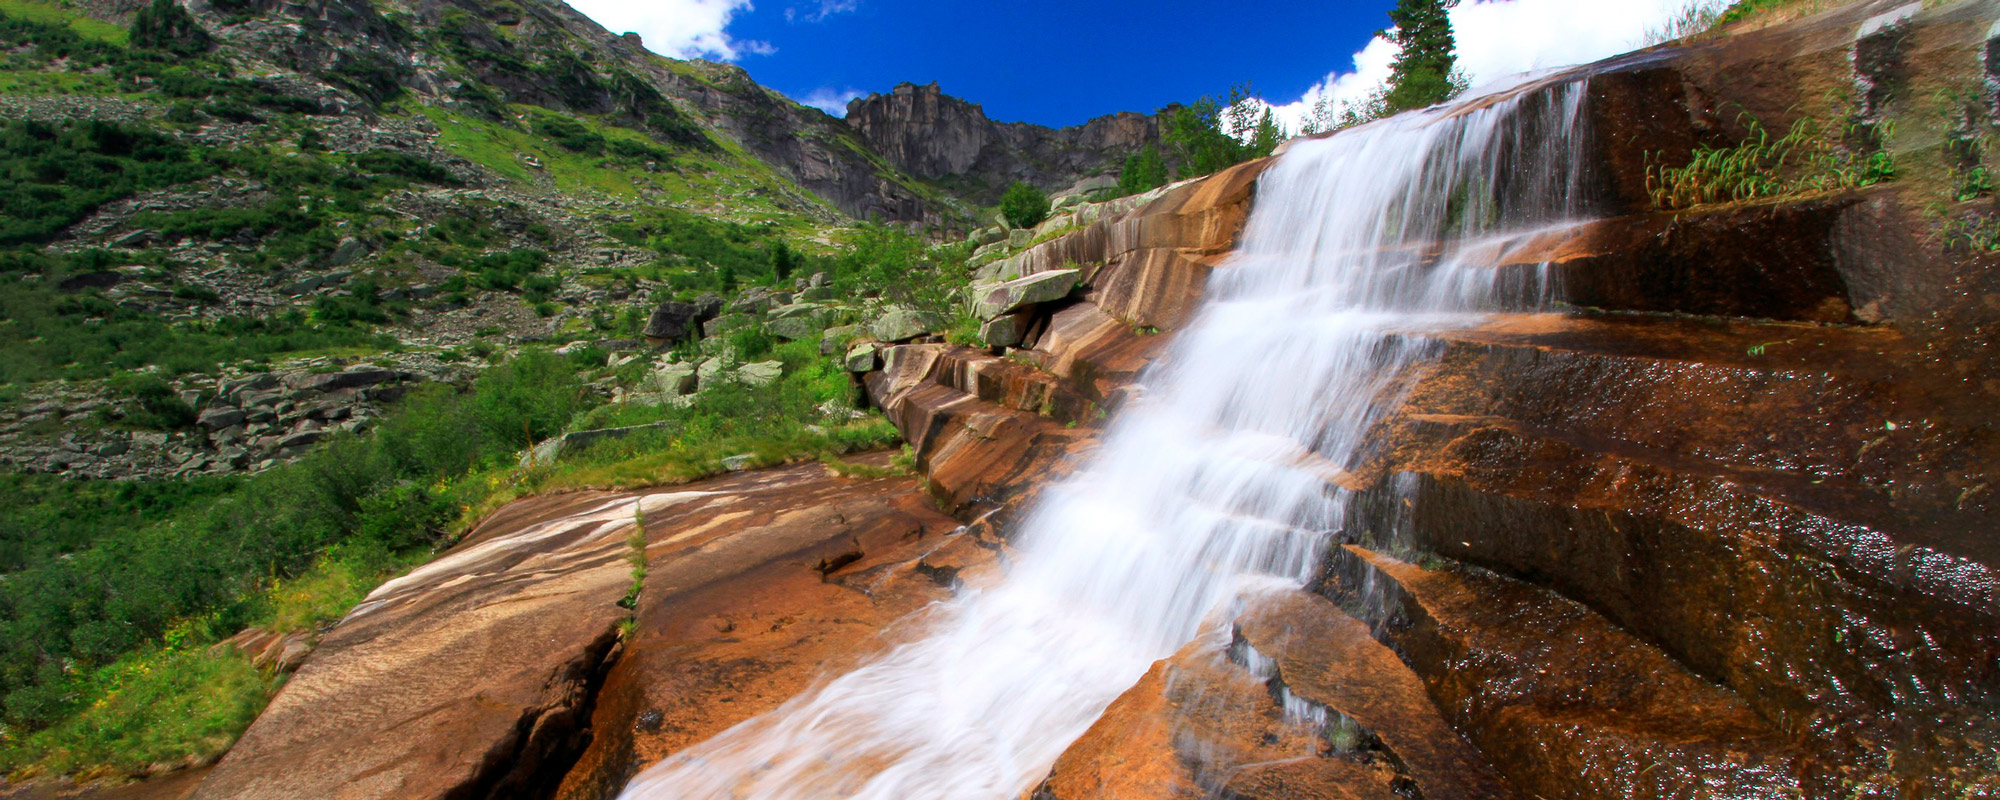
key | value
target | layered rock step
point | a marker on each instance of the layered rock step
(1561, 701)
(1794, 511)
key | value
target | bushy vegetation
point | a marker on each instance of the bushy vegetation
(1804, 160)
(52, 175)
(1024, 206)
(1210, 134)
(1144, 171)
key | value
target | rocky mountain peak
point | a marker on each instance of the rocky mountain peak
(935, 136)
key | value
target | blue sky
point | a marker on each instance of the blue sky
(1061, 62)
(1056, 62)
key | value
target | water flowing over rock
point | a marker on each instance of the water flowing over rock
(1211, 484)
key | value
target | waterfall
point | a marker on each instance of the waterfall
(1214, 481)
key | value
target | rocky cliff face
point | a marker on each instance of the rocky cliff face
(932, 135)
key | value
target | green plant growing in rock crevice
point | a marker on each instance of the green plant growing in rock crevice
(1805, 160)
(635, 555)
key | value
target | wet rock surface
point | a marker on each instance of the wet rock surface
(483, 673)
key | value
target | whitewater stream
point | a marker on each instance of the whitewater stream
(1213, 484)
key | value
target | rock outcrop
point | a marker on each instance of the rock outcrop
(1723, 527)
(490, 671)
(932, 135)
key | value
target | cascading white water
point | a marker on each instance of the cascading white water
(1215, 481)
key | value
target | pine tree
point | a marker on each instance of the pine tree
(166, 27)
(1144, 171)
(1425, 72)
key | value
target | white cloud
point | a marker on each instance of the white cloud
(1499, 38)
(830, 100)
(677, 28)
(827, 8)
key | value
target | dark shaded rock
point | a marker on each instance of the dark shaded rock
(216, 419)
(675, 322)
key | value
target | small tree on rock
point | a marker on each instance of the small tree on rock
(1024, 206)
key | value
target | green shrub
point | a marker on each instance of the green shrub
(53, 175)
(153, 403)
(569, 134)
(1024, 206)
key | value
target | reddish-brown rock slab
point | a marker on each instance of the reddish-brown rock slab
(803, 587)
(1198, 726)
(172, 786)
(475, 675)
(1559, 700)
(1330, 659)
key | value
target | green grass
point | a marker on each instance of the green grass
(164, 704)
(39, 83)
(52, 14)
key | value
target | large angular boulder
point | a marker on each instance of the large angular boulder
(992, 301)
(904, 324)
(676, 378)
(762, 373)
(861, 357)
(1006, 330)
(215, 419)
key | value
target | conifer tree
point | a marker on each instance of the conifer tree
(166, 27)
(1425, 72)
(1144, 170)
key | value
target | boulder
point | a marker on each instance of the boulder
(712, 372)
(757, 301)
(347, 252)
(992, 301)
(304, 438)
(677, 378)
(264, 381)
(334, 381)
(795, 310)
(727, 323)
(792, 329)
(708, 305)
(904, 324)
(860, 358)
(1005, 330)
(549, 451)
(215, 419)
(738, 463)
(835, 339)
(672, 323)
(762, 373)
